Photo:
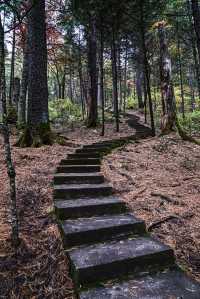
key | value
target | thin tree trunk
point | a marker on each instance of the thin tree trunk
(102, 81)
(10, 168)
(16, 92)
(125, 76)
(196, 16)
(139, 84)
(24, 87)
(12, 68)
(120, 78)
(167, 91)
(194, 50)
(115, 75)
(146, 69)
(181, 75)
(92, 66)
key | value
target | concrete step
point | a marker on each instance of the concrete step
(78, 168)
(117, 258)
(83, 161)
(69, 209)
(171, 283)
(99, 229)
(81, 178)
(84, 155)
(99, 145)
(82, 190)
(93, 150)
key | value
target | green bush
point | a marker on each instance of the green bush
(12, 115)
(63, 110)
(191, 123)
(131, 102)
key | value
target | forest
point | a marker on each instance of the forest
(99, 149)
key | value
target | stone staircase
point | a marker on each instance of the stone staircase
(111, 254)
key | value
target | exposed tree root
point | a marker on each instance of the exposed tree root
(37, 137)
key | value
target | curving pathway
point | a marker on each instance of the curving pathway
(111, 254)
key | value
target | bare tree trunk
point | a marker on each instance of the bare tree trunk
(16, 92)
(146, 68)
(8, 156)
(196, 16)
(102, 80)
(12, 68)
(38, 130)
(114, 75)
(92, 65)
(167, 91)
(194, 50)
(139, 84)
(120, 78)
(125, 76)
(24, 87)
(181, 74)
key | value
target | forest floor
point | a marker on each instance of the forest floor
(157, 177)
(41, 269)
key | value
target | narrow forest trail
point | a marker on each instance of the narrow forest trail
(111, 254)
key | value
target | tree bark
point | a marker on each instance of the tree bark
(102, 81)
(139, 85)
(125, 76)
(24, 87)
(37, 88)
(146, 68)
(37, 132)
(169, 116)
(8, 157)
(115, 81)
(92, 66)
(12, 68)
(196, 17)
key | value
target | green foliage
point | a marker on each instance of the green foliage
(63, 110)
(191, 123)
(132, 102)
(11, 115)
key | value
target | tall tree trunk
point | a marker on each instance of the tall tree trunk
(24, 87)
(12, 68)
(125, 76)
(38, 131)
(139, 85)
(192, 95)
(167, 91)
(102, 80)
(146, 68)
(16, 92)
(92, 66)
(180, 74)
(196, 16)
(8, 156)
(120, 78)
(115, 81)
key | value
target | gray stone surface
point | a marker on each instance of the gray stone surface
(69, 191)
(112, 259)
(81, 161)
(89, 207)
(78, 168)
(99, 229)
(84, 155)
(81, 178)
(170, 284)
(93, 150)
